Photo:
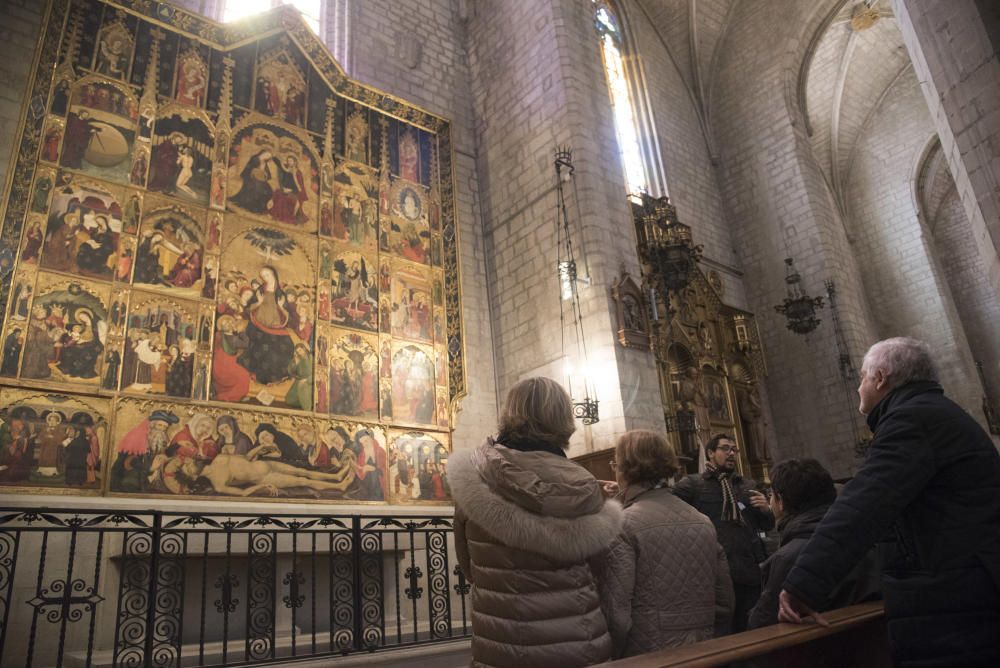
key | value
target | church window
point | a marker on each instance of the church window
(239, 9)
(626, 119)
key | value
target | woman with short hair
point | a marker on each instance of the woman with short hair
(527, 522)
(665, 581)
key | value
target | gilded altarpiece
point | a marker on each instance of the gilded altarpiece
(711, 371)
(227, 270)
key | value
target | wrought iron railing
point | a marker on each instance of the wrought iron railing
(152, 588)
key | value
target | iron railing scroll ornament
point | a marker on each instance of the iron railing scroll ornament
(222, 589)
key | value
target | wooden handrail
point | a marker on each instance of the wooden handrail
(759, 642)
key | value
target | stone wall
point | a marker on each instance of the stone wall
(957, 63)
(904, 281)
(780, 206)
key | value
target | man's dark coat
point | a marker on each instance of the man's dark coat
(930, 490)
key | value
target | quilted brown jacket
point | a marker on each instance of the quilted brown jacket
(526, 524)
(665, 581)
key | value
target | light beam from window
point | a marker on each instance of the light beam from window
(621, 103)
(240, 9)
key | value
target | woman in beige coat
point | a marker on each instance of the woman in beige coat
(665, 581)
(527, 522)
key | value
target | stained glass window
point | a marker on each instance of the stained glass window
(238, 9)
(626, 124)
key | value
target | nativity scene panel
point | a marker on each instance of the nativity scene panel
(232, 256)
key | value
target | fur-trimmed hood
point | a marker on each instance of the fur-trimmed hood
(534, 501)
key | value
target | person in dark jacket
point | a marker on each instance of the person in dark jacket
(740, 514)
(930, 489)
(801, 493)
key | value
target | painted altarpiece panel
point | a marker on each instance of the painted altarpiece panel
(273, 175)
(52, 442)
(246, 350)
(418, 467)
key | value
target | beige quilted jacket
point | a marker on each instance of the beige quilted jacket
(526, 524)
(665, 581)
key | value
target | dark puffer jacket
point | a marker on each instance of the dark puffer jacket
(930, 488)
(526, 526)
(862, 584)
(744, 548)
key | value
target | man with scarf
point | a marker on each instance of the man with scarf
(740, 514)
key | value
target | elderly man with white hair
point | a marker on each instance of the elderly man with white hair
(930, 491)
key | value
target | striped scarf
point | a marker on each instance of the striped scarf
(730, 508)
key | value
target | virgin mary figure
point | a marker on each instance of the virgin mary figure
(270, 347)
(256, 178)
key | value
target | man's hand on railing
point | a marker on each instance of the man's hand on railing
(794, 611)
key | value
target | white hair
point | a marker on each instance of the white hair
(902, 360)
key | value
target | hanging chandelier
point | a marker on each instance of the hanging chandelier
(665, 244)
(798, 308)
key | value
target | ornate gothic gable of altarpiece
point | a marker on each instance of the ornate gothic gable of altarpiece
(227, 270)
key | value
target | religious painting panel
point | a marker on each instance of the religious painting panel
(171, 250)
(67, 330)
(52, 442)
(273, 175)
(45, 181)
(83, 229)
(418, 467)
(18, 311)
(717, 396)
(281, 86)
(34, 236)
(354, 451)
(100, 129)
(264, 332)
(411, 308)
(443, 410)
(357, 136)
(181, 157)
(113, 56)
(407, 229)
(181, 450)
(354, 291)
(52, 138)
(355, 205)
(352, 378)
(161, 342)
(175, 246)
(412, 390)
(191, 85)
(132, 212)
